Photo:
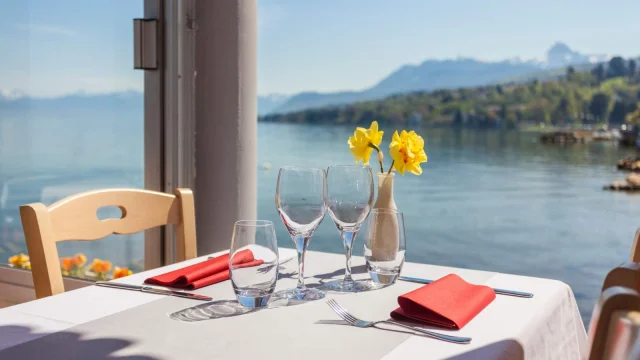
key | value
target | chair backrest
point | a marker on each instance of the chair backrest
(627, 274)
(635, 249)
(75, 218)
(614, 324)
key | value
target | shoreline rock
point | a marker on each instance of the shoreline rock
(632, 184)
(629, 164)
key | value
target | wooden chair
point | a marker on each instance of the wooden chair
(627, 274)
(75, 218)
(615, 324)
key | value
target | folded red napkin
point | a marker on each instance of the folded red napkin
(204, 273)
(448, 302)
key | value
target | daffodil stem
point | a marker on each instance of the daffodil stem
(391, 167)
(378, 150)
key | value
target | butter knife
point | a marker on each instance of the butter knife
(498, 291)
(153, 290)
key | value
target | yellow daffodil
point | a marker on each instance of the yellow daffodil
(407, 151)
(19, 260)
(100, 266)
(363, 141)
(79, 260)
(121, 272)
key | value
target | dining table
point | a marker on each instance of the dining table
(106, 323)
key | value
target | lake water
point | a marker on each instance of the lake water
(495, 201)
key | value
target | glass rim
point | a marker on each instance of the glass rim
(386, 211)
(354, 165)
(290, 167)
(254, 223)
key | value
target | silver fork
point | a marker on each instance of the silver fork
(352, 320)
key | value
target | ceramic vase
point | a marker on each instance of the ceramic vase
(384, 239)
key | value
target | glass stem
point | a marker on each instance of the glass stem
(301, 246)
(348, 237)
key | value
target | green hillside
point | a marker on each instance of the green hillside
(607, 93)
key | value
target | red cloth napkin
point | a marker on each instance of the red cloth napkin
(204, 273)
(448, 302)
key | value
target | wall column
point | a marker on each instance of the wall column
(226, 119)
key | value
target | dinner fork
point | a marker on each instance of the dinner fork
(352, 320)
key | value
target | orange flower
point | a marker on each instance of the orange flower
(67, 263)
(79, 260)
(121, 272)
(100, 266)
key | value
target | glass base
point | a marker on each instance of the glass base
(384, 278)
(253, 299)
(350, 286)
(305, 294)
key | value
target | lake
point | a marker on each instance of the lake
(487, 200)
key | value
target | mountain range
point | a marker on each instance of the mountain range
(16, 102)
(269, 103)
(442, 74)
(429, 75)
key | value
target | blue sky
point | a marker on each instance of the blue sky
(52, 48)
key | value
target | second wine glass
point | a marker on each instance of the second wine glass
(349, 198)
(300, 200)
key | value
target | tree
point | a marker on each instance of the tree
(632, 68)
(618, 113)
(617, 67)
(522, 94)
(503, 112)
(511, 120)
(447, 96)
(598, 72)
(565, 109)
(570, 72)
(538, 112)
(634, 117)
(599, 106)
(459, 118)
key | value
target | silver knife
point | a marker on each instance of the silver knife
(153, 290)
(521, 294)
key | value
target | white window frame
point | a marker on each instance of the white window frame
(179, 110)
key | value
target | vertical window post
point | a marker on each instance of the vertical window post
(153, 132)
(226, 119)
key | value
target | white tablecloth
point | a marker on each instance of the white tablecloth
(547, 326)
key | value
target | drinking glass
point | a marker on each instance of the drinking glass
(253, 262)
(350, 195)
(384, 245)
(300, 200)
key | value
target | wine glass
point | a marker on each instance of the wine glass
(253, 263)
(300, 200)
(350, 195)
